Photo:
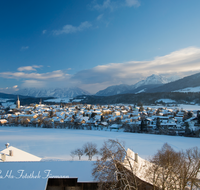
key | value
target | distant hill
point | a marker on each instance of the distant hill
(24, 100)
(145, 98)
(11, 96)
(113, 90)
(150, 82)
(186, 82)
(143, 88)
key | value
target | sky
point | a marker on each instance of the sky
(93, 44)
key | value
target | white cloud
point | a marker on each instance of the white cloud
(34, 84)
(23, 48)
(113, 5)
(44, 31)
(107, 4)
(9, 90)
(67, 29)
(100, 17)
(29, 68)
(39, 76)
(131, 3)
(184, 62)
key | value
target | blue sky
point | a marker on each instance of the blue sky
(93, 44)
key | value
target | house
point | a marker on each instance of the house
(3, 121)
(12, 154)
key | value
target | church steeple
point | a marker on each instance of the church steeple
(18, 103)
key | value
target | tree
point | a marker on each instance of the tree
(158, 126)
(198, 117)
(79, 152)
(142, 125)
(51, 113)
(72, 154)
(93, 115)
(90, 149)
(109, 170)
(174, 170)
(189, 114)
(187, 128)
(141, 108)
(140, 104)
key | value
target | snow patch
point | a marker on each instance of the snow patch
(166, 100)
(189, 89)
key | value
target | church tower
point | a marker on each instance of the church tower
(18, 103)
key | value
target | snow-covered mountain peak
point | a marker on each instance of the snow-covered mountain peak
(155, 79)
(52, 92)
(150, 82)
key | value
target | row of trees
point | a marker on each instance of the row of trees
(167, 170)
(89, 149)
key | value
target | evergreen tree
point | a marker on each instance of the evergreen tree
(198, 117)
(142, 125)
(187, 129)
(158, 123)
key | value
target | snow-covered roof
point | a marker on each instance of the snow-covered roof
(18, 155)
(139, 165)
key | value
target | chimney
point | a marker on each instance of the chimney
(10, 152)
(7, 145)
(3, 157)
(136, 157)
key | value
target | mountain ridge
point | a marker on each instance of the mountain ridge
(52, 92)
(185, 82)
(150, 82)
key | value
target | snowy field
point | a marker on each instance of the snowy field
(56, 144)
(166, 100)
(58, 100)
(63, 100)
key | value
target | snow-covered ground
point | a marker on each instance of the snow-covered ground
(58, 100)
(56, 144)
(4, 100)
(166, 100)
(63, 100)
(190, 89)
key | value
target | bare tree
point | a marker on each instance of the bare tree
(90, 149)
(111, 171)
(79, 152)
(72, 154)
(174, 170)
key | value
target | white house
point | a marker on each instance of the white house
(12, 154)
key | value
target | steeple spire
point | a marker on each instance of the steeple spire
(18, 102)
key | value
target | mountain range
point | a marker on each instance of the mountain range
(191, 81)
(53, 92)
(150, 82)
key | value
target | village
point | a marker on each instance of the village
(128, 118)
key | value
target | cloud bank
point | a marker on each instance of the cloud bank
(113, 4)
(29, 68)
(67, 29)
(181, 62)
